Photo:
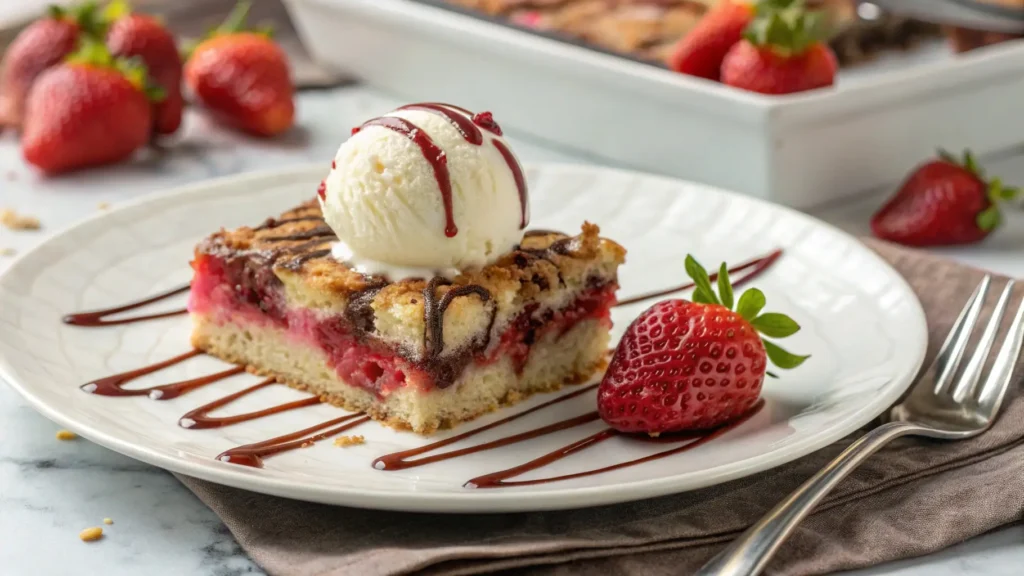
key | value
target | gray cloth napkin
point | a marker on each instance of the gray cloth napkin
(193, 18)
(914, 497)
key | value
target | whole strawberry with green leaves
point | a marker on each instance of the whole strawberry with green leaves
(784, 50)
(685, 365)
(90, 110)
(944, 201)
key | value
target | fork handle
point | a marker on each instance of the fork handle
(749, 554)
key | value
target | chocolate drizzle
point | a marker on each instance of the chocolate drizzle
(295, 264)
(98, 317)
(272, 223)
(322, 231)
(359, 309)
(253, 454)
(446, 369)
(756, 267)
(114, 385)
(501, 479)
(434, 309)
(199, 418)
(401, 460)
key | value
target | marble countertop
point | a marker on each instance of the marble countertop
(50, 490)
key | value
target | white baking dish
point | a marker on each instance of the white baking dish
(799, 150)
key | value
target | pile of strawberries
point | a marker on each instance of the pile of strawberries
(766, 46)
(88, 86)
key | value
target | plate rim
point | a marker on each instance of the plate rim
(472, 501)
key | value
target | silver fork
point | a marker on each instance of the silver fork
(939, 406)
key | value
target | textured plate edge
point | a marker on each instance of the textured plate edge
(476, 501)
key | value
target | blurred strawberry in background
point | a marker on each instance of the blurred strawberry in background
(783, 51)
(90, 110)
(944, 201)
(133, 34)
(702, 50)
(243, 77)
(39, 46)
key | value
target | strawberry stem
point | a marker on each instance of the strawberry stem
(751, 302)
(235, 22)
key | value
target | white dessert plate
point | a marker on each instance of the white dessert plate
(861, 322)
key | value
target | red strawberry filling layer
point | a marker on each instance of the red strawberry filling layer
(240, 292)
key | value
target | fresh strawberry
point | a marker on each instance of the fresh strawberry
(93, 109)
(783, 51)
(693, 365)
(43, 44)
(943, 202)
(146, 37)
(701, 51)
(243, 77)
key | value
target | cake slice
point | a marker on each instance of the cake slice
(420, 354)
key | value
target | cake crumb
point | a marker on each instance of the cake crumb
(11, 219)
(103, 205)
(8, 251)
(66, 435)
(108, 521)
(346, 441)
(91, 534)
(306, 444)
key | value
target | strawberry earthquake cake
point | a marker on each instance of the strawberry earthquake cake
(410, 288)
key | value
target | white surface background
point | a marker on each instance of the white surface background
(50, 490)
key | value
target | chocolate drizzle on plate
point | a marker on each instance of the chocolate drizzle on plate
(114, 385)
(99, 317)
(501, 479)
(253, 454)
(401, 460)
(199, 418)
(756, 267)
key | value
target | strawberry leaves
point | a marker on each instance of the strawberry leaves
(990, 218)
(93, 53)
(775, 325)
(780, 357)
(703, 294)
(749, 306)
(786, 26)
(724, 286)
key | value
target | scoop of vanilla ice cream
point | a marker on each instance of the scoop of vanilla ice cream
(383, 200)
